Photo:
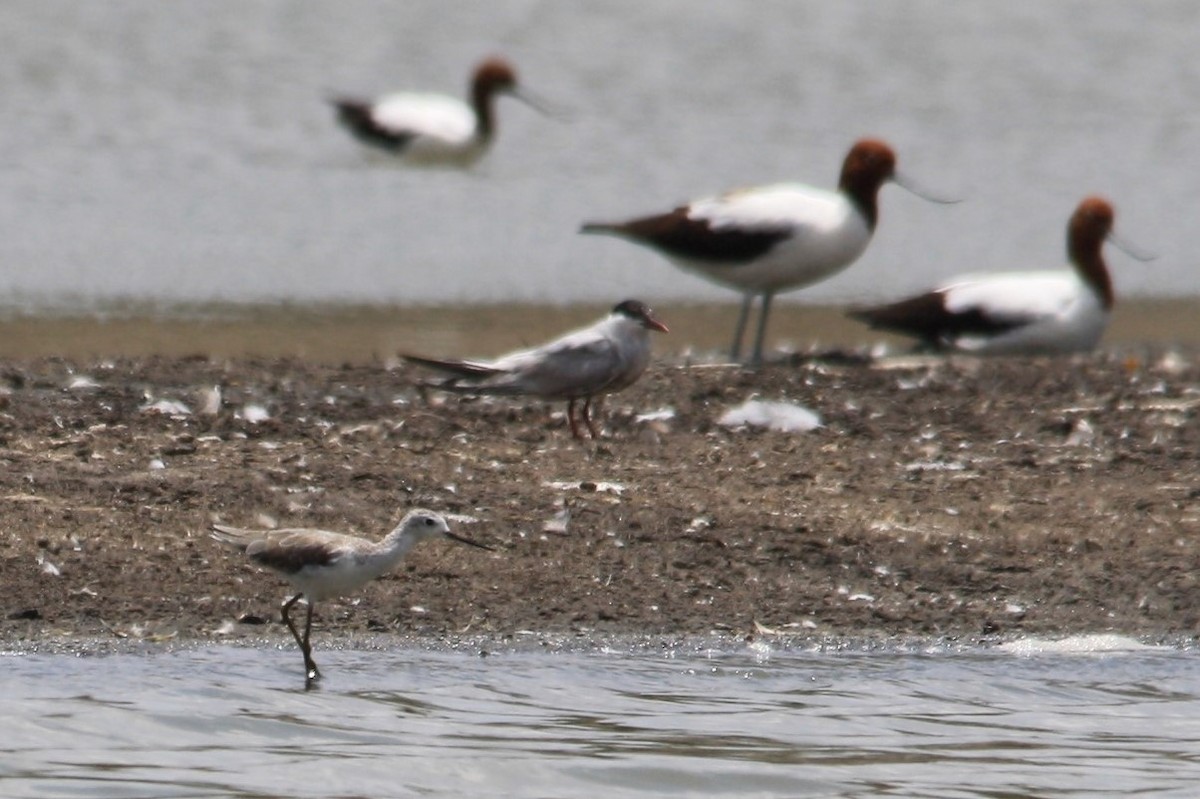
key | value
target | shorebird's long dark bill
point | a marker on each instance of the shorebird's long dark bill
(539, 104)
(464, 540)
(1131, 250)
(906, 184)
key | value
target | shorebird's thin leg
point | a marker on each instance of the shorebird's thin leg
(311, 672)
(735, 351)
(767, 296)
(310, 668)
(571, 418)
(287, 606)
(587, 418)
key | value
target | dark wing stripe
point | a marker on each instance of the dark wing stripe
(355, 115)
(459, 368)
(926, 317)
(676, 234)
(289, 560)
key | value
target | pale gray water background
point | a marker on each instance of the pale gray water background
(229, 721)
(182, 152)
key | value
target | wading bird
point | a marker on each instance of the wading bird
(321, 565)
(765, 240)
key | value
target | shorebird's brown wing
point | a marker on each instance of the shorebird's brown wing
(289, 553)
(286, 551)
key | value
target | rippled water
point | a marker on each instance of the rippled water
(183, 152)
(686, 722)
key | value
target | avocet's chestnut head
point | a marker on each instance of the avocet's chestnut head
(1090, 225)
(869, 164)
(639, 312)
(494, 76)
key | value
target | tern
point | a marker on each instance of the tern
(1019, 312)
(584, 364)
(320, 564)
(433, 129)
(764, 240)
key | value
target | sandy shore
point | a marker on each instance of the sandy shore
(959, 499)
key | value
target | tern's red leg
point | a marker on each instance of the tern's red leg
(587, 418)
(571, 419)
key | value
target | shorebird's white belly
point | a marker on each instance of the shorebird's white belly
(343, 576)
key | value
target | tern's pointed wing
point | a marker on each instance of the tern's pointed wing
(573, 369)
(459, 368)
(579, 364)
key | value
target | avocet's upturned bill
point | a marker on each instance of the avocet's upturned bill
(1019, 312)
(585, 364)
(433, 129)
(765, 240)
(322, 565)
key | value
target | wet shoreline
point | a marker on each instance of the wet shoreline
(375, 334)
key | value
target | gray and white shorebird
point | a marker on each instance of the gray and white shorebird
(761, 241)
(425, 129)
(320, 564)
(584, 364)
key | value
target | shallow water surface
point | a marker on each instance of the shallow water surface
(229, 721)
(184, 152)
